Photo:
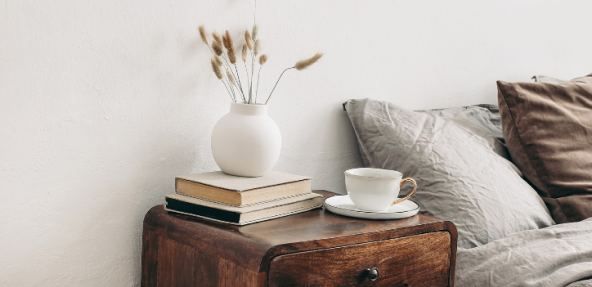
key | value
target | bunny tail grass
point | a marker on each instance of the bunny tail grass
(218, 61)
(262, 59)
(248, 40)
(244, 53)
(231, 56)
(229, 66)
(230, 77)
(227, 39)
(255, 32)
(217, 48)
(220, 76)
(217, 38)
(303, 64)
(244, 57)
(202, 34)
(217, 70)
(257, 47)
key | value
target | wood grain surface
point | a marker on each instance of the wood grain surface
(176, 247)
(419, 260)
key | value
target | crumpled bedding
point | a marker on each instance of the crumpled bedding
(459, 176)
(559, 255)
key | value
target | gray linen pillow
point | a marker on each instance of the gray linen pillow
(481, 120)
(460, 178)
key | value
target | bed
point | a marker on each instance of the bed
(515, 179)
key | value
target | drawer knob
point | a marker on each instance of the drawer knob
(373, 274)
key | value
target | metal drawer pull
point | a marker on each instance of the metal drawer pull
(373, 273)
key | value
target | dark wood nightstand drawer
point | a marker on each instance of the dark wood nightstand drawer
(420, 260)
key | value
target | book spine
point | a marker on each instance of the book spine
(200, 210)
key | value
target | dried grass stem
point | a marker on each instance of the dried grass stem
(276, 83)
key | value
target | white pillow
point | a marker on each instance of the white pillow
(460, 178)
(546, 79)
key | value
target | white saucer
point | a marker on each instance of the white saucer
(342, 204)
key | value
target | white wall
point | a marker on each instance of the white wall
(102, 103)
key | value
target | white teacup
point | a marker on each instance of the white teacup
(375, 189)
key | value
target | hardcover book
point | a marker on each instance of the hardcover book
(240, 191)
(241, 215)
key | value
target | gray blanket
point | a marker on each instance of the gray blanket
(559, 255)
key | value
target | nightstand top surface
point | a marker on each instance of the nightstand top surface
(311, 225)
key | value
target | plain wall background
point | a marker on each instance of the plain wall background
(102, 103)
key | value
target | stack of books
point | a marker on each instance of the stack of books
(241, 200)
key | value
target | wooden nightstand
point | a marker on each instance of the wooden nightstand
(308, 249)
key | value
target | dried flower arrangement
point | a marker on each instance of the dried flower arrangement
(224, 58)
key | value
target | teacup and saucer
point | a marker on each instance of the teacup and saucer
(373, 193)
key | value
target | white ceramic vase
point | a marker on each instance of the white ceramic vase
(246, 141)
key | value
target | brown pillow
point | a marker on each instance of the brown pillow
(548, 131)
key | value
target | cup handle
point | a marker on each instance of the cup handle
(410, 194)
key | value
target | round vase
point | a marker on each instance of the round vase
(246, 141)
